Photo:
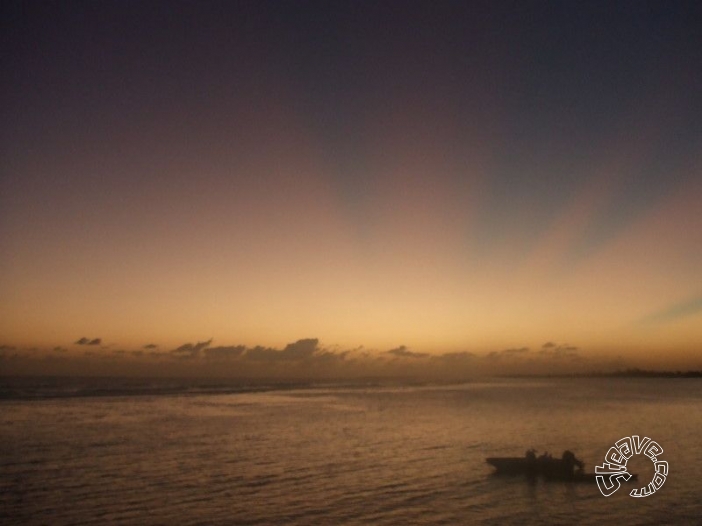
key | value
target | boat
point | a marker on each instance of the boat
(568, 468)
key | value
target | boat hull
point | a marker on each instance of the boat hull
(512, 465)
(549, 469)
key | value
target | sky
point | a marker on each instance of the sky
(410, 182)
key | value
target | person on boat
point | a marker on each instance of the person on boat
(570, 462)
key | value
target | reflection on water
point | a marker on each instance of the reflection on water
(346, 455)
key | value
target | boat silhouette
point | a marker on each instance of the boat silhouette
(568, 468)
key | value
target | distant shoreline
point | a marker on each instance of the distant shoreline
(626, 373)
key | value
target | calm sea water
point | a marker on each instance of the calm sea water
(337, 455)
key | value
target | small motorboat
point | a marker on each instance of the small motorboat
(568, 468)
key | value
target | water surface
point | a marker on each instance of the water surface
(183, 454)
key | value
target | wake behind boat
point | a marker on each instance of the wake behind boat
(568, 468)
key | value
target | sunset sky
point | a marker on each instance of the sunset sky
(428, 178)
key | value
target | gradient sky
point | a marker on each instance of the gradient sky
(448, 176)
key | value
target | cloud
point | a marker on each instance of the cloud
(260, 353)
(514, 352)
(403, 352)
(511, 353)
(189, 350)
(560, 352)
(88, 341)
(307, 358)
(456, 356)
(224, 353)
(301, 349)
(331, 356)
(456, 363)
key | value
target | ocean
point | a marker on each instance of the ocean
(112, 451)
